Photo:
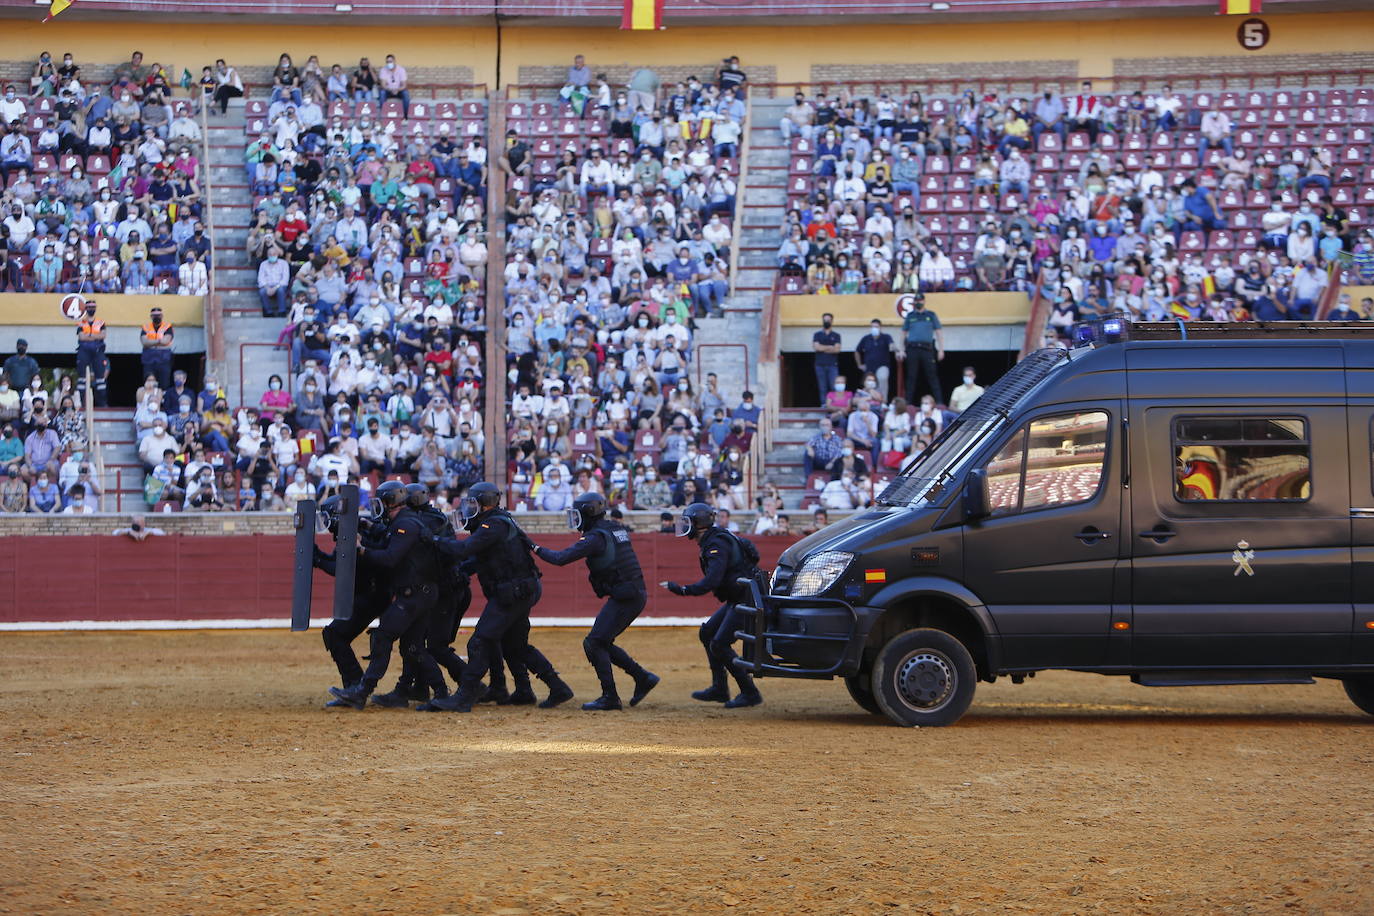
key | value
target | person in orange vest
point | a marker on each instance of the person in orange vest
(157, 338)
(90, 353)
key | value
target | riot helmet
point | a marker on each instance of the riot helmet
(391, 494)
(695, 519)
(417, 495)
(586, 510)
(481, 497)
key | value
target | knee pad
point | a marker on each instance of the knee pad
(704, 633)
(593, 647)
(381, 640)
(330, 635)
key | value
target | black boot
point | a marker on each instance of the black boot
(398, 698)
(497, 694)
(748, 694)
(648, 681)
(355, 695)
(417, 691)
(605, 702)
(559, 692)
(428, 705)
(522, 695)
(458, 702)
(716, 693)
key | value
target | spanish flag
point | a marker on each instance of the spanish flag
(1239, 7)
(57, 6)
(639, 14)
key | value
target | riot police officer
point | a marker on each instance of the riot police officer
(613, 570)
(369, 600)
(725, 559)
(452, 603)
(409, 567)
(510, 581)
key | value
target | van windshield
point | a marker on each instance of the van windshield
(925, 479)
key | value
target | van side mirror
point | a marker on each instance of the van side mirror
(976, 500)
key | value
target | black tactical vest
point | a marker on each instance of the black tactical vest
(615, 571)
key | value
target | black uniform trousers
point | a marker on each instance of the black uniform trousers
(717, 635)
(90, 354)
(920, 361)
(612, 620)
(504, 629)
(339, 635)
(406, 619)
(158, 362)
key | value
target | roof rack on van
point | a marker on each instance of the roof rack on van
(1246, 330)
(968, 429)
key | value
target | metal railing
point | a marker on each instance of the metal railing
(954, 85)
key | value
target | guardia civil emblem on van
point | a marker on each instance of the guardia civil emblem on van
(1242, 556)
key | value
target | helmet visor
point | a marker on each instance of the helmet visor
(574, 520)
(468, 507)
(324, 521)
(683, 526)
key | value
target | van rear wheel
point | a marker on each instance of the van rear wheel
(1361, 692)
(924, 677)
(860, 688)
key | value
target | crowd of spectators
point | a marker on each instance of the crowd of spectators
(1212, 206)
(618, 229)
(866, 437)
(45, 465)
(369, 237)
(101, 189)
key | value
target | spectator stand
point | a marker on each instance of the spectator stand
(48, 153)
(616, 244)
(253, 341)
(1274, 111)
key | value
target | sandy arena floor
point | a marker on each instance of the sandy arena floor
(196, 772)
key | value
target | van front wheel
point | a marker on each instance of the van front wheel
(861, 691)
(924, 677)
(1361, 692)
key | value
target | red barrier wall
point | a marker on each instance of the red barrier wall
(184, 577)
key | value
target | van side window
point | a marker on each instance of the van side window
(1236, 459)
(1049, 462)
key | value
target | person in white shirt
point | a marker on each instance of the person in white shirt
(1166, 107)
(716, 233)
(76, 501)
(937, 270)
(596, 174)
(841, 493)
(193, 278)
(967, 393)
(1214, 131)
(1085, 112)
(12, 108)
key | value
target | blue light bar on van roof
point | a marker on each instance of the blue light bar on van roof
(1113, 330)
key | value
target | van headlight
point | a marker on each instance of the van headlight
(820, 571)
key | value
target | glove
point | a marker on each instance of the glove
(675, 588)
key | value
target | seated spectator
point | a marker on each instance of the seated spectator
(44, 497)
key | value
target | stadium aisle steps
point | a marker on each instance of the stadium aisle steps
(765, 199)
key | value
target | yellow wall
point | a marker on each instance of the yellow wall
(792, 50)
(36, 309)
(858, 311)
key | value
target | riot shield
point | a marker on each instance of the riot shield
(346, 552)
(304, 570)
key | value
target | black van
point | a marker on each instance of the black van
(1181, 504)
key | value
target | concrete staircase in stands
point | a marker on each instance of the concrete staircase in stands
(122, 483)
(783, 463)
(729, 346)
(249, 355)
